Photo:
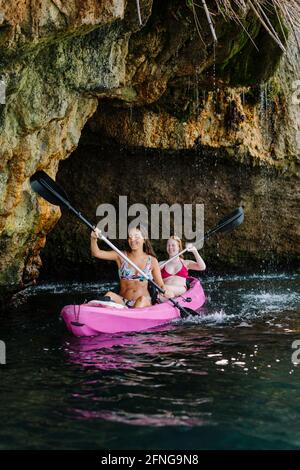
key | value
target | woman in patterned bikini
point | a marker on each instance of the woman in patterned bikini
(133, 288)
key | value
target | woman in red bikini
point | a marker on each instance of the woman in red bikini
(176, 272)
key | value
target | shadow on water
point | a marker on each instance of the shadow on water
(225, 380)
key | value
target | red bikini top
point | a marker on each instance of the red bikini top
(183, 272)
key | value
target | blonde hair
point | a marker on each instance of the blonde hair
(179, 241)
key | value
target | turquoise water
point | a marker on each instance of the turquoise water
(225, 380)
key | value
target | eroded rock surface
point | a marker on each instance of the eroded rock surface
(157, 85)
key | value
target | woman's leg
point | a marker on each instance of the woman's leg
(143, 301)
(177, 290)
(115, 297)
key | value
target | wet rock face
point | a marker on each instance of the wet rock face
(268, 239)
(52, 53)
(153, 85)
(25, 22)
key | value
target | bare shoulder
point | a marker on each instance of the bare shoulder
(154, 260)
(119, 258)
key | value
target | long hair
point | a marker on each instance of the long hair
(179, 242)
(147, 246)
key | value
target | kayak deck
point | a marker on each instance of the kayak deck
(91, 320)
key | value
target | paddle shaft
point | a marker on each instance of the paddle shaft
(54, 190)
(66, 203)
(120, 253)
(176, 304)
(206, 236)
(210, 232)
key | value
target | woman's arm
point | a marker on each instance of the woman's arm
(158, 279)
(199, 265)
(101, 254)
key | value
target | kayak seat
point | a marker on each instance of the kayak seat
(153, 293)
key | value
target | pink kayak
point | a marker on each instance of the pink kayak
(97, 317)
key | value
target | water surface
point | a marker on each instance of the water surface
(225, 380)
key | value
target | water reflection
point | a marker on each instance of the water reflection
(167, 418)
(132, 351)
(145, 378)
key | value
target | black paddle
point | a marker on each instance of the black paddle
(42, 184)
(227, 224)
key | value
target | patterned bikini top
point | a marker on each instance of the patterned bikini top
(128, 272)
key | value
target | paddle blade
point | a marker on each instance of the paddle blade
(47, 188)
(231, 221)
(186, 312)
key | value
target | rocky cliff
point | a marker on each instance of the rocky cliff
(220, 122)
